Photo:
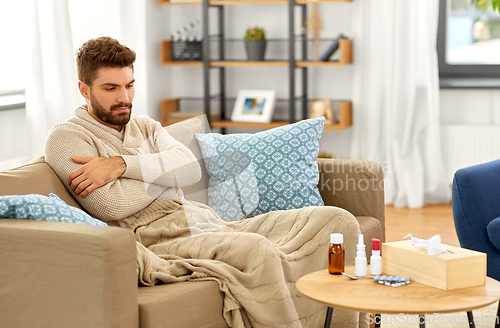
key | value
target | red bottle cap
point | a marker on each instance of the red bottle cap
(375, 244)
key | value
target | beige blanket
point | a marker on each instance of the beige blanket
(256, 262)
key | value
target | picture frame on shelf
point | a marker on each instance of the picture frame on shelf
(254, 106)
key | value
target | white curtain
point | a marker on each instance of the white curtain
(396, 98)
(51, 92)
(58, 28)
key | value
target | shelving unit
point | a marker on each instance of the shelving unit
(230, 2)
(221, 63)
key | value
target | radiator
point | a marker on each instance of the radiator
(466, 145)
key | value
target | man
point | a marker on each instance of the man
(106, 156)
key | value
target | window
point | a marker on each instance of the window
(13, 57)
(468, 45)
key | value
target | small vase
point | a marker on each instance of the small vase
(255, 50)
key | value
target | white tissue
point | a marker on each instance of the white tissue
(432, 245)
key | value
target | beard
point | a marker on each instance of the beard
(108, 116)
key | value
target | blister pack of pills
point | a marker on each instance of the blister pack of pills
(392, 281)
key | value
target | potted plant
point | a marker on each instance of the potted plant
(255, 43)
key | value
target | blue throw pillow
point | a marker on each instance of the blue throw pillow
(493, 229)
(251, 174)
(39, 207)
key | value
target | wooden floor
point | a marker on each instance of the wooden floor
(421, 223)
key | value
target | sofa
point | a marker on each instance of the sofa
(73, 275)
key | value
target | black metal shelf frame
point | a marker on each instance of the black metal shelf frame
(222, 70)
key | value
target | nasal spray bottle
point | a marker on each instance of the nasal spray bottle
(360, 260)
(375, 259)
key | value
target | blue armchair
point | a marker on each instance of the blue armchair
(476, 211)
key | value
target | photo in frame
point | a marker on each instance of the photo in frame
(254, 106)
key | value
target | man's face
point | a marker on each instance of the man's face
(110, 96)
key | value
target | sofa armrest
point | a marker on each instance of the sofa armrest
(67, 275)
(356, 186)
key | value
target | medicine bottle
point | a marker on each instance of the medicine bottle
(375, 259)
(336, 254)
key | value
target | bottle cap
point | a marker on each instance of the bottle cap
(375, 244)
(361, 241)
(336, 238)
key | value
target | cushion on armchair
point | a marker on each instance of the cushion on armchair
(493, 229)
(251, 174)
(43, 208)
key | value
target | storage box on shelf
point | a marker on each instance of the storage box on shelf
(166, 56)
(292, 61)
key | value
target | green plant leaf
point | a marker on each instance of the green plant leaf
(255, 34)
(484, 5)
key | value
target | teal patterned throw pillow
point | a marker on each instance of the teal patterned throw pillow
(251, 174)
(43, 208)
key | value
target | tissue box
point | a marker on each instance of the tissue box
(463, 268)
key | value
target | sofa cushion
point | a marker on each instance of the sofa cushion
(43, 208)
(251, 174)
(182, 304)
(35, 177)
(184, 132)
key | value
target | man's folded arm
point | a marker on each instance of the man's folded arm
(115, 200)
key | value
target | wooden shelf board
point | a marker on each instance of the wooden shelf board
(172, 105)
(182, 63)
(337, 126)
(244, 2)
(222, 64)
(166, 2)
(345, 48)
(305, 64)
(247, 63)
(320, 1)
(231, 124)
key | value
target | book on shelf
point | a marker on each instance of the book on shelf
(331, 50)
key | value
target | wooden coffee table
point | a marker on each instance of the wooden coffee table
(365, 295)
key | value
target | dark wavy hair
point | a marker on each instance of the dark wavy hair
(101, 52)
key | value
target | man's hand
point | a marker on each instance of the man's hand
(95, 173)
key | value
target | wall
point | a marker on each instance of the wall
(470, 130)
(467, 106)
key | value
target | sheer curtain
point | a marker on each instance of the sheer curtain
(58, 28)
(396, 98)
(51, 93)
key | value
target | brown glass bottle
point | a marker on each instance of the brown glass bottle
(336, 254)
